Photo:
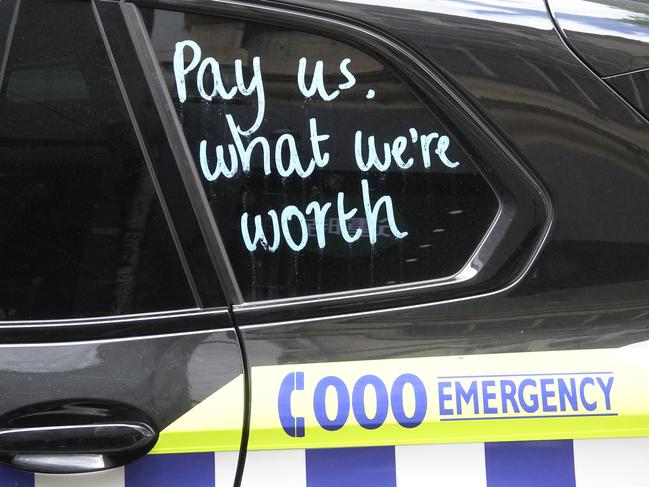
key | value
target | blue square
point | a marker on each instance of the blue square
(10, 477)
(351, 467)
(530, 463)
(181, 470)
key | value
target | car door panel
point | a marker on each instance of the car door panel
(163, 376)
(106, 275)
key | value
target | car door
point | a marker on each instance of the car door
(114, 324)
(434, 214)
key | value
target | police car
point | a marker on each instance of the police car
(318, 243)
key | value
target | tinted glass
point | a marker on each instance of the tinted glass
(283, 126)
(83, 233)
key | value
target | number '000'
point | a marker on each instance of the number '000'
(333, 390)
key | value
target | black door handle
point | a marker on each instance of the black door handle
(74, 437)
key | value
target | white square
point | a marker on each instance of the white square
(225, 467)
(108, 478)
(453, 465)
(618, 461)
(281, 467)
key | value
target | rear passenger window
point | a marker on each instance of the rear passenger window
(324, 171)
(82, 232)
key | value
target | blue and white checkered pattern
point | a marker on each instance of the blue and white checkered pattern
(565, 463)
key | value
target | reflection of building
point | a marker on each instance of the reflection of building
(557, 113)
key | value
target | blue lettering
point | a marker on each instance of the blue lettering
(487, 396)
(358, 401)
(534, 405)
(319, 403)
(606, 389)
(569, 394)
(545, 394)
(466, 395)
(421, 401)
(590, 406)
(507, 392)
(443, 397)
(291, 425)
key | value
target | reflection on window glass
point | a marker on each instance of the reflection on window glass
(83, 232)
(324, 172)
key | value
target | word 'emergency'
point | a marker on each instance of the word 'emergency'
(409, 402)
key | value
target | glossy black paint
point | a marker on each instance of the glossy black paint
(161, 377)
(611, 35)
(589, 286)
(634, 87)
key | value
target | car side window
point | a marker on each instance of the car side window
(324, 171)
(83, 232)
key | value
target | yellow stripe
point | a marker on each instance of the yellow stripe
(212, 425)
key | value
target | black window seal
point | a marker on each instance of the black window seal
(150, 167)
(162, 139)
(8, 18)
(526, 213)
(109, 327)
